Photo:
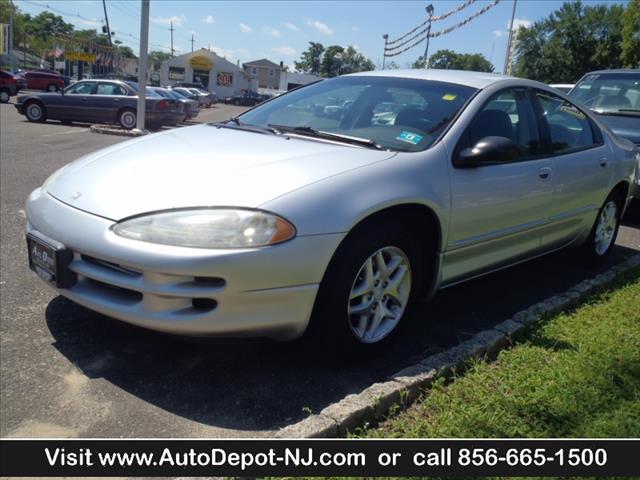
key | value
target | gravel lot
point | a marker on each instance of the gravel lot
(69, 372)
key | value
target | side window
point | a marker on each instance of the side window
(508, 114)
(109, 89)
(82, 88)
(569, 127)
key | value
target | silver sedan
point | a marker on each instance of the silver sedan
(288, 220)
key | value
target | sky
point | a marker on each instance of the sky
(280, 31)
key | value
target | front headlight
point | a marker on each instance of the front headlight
(208, 228)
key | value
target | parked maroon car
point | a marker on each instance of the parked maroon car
(8, 86)
(50, 82)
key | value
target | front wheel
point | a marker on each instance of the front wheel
(603, 235)
(35, 112)
(368, 289)
(127, 119)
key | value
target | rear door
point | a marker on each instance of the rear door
(582, 167)
(106, 100)
(498, 210)
(76, 101)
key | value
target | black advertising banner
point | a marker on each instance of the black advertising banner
(348, 457)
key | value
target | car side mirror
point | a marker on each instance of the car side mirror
(488, 151)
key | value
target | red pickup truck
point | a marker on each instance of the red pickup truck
(50, 82)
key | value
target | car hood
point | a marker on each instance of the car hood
(200, 166)
(623, 126)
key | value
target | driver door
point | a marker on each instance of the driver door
(498, 210)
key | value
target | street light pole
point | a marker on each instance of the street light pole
(384, 54)
(142, 66)
(426, 49)
(507, 58)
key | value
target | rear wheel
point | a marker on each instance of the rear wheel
(603, 235)
(368, 289)
(127, 119)
(4, 95)
(35, 112)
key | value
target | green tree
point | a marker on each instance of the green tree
(156, 57)
(332, 61)
(311, 59)
(47, 25)
(354, 61)
(631, 35)
(125, 52)
(573, 40)
(450, 60)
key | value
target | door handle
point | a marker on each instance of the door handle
(544, 173)
(604, 162)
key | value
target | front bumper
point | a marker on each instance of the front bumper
(228, 293)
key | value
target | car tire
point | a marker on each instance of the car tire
(127, 118)
(35, 112)
(356, 314)
(602, 238)
(4, 95)
(52, 88)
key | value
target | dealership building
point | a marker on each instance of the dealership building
(226, 78)
(214, 72)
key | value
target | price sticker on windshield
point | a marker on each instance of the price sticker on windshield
(410, 137)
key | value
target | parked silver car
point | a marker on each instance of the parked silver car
(284, 220)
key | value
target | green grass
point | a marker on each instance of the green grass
(577, 375)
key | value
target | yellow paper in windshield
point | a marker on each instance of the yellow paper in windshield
(449, 96)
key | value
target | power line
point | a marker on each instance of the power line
(425, 33)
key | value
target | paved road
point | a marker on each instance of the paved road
(68, 372)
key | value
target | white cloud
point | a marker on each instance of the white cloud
(176, 49)
(178, 21)
(209, 19)
(291, 26)
(521, 22)
(246, 28)
(274, 32)
(93, 22)
(355, 29)
(284, 50)
(321, 27)
(222, 52)
(499, 33)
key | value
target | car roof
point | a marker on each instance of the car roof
(615, 70)
(461, 77)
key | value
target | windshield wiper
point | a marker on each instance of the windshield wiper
(313, 132)
(620, 112)
(235, 124)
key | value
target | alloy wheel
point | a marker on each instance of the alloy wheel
(606, 227)
(379, 294)
(34, 112)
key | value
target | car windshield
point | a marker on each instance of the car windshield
(181, 94)
(394, 113)
(617, 93)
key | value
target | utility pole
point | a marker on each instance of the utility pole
(106, 19)
(507, 57)
(171, 30)
(10, 41)
(142, 66)
(192, 40)
(426, 49)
